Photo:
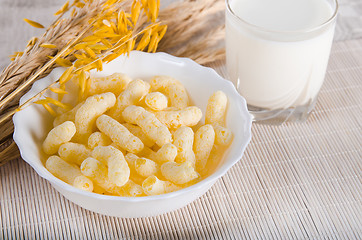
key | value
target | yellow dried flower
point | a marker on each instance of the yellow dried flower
(162, 30)
(80, 5)
(49, 109)
(57, 103)
(144, 40)
(153, 43)
(136, 9)
(110, 34)
(33, 23)
(15, 55)
(32, 41)
(90, 52)
(63, 9)
(98, 47)
(63, 62)
(58, 90)
(82, 81)
(106, 43)
(66, 76)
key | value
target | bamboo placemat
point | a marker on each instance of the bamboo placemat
(294, 181)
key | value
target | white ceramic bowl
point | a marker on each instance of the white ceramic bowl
(33, 123)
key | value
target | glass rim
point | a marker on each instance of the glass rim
(305, 30)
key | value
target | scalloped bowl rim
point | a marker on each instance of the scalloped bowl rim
(44, 173)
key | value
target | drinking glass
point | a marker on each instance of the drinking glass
(278, 72)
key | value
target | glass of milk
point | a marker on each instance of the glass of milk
(277, 53)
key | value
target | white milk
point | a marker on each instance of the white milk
(278, 63)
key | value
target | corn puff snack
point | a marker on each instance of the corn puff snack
(98, 139)
(134, 176)
(97, 171)
(118, 170)
(114, 83)
(154, 186)
(140, 143)
(156, 101)
(137, 131)
(216, 108)
(184, 141)
(93, 107)
(74, 152)
(173, 88)
(223, 136)
(146, 167)
(215, 115)
(67, 116)
(119, 134)
(132, 189)
(150, 125)
(68, 173)
(167, 153)
(204, 141)
(179, 173)
(188, 116)
(134, 92)
(57, 136)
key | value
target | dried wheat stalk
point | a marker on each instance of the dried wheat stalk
(197, 33)
(195, 30)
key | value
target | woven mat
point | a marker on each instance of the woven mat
(294, 181)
